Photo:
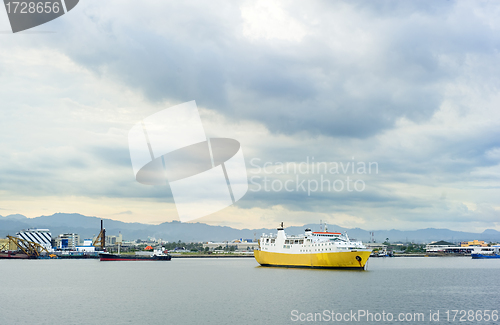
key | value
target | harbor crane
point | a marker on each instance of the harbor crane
(29, 248)
(100, 240)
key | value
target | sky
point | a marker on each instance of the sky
(309, 89)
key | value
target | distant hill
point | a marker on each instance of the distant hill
(87, 227)
(16, 217)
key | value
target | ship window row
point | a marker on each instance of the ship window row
(327, 244)
(316, 250)
(320, 244)
(298, 241)
(321, 235)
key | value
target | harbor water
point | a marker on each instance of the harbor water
(239, 291)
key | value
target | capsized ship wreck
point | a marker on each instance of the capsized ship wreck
(313, 249)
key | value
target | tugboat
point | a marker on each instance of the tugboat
(313, 249)
(157, 255)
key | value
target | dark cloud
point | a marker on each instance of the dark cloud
(289, 86)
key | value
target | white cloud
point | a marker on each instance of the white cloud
(269, 21)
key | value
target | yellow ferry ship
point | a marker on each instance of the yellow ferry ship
(313, 249)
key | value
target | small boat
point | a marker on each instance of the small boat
(382, 254)
(486, 252)
(157, 255)
(313, 249)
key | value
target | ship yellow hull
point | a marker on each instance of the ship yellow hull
(320, 260)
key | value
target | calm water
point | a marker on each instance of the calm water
(238, 291)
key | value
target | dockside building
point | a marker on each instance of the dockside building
(39, 236)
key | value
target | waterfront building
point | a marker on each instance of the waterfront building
(379, 246)
(114, 240)
(39, 236)
(450, 248)
(87, 247)
(239, 246)
(67, 241)
(439, 246)
(475, 242)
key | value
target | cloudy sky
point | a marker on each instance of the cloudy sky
(411, 88)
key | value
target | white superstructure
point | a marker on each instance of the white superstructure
(310, 242)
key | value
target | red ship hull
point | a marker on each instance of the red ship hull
(15, 255)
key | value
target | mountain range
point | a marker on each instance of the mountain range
(88, 227)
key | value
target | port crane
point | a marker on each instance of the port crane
(29, 248)
(100, 240)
